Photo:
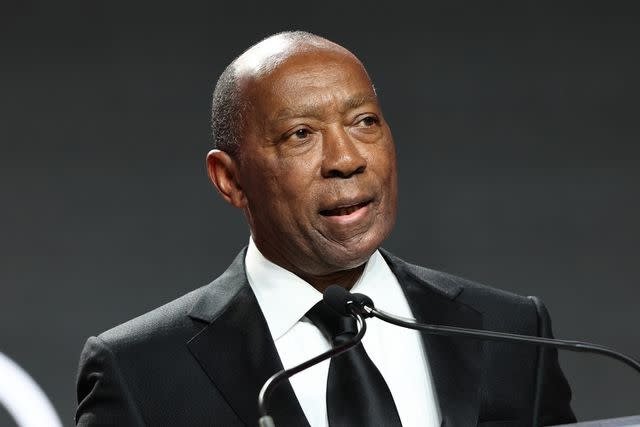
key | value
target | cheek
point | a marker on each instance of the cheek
(383, 162)
(283, 185)
(295, 175)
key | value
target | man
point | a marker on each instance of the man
(303, 149)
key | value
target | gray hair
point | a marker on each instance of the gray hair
(226, 112)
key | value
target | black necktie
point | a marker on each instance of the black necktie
(357, 395)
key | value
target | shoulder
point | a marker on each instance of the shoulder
(451, 285)
(497, 306)
(181, 319)
(118, 379)
(127, 357)
(169, 322)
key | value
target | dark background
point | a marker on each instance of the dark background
(517, 134)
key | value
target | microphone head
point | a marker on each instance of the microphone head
(346, 303)
(337, 297)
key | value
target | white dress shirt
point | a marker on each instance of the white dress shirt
(398, 353)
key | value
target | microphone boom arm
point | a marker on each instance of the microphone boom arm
(576, 346)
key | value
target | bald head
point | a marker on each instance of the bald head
(229, 102)
(266, 55)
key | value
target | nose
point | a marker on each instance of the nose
(341, 157)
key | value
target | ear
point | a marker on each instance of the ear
(223, 173)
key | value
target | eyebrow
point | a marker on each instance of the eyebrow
(314, 110)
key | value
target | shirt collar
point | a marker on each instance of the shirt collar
(285, 298)
(377, 279)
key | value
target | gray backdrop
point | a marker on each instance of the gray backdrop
(516, 127)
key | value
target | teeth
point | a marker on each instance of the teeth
(343, 211)
(346, 211)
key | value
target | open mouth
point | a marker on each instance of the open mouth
(344, 210)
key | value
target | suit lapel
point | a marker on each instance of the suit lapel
(237, 352)
(236, 349)
(454, 361)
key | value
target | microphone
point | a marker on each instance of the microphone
(346, 303)
(276, 379)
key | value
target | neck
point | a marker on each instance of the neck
(346, 278)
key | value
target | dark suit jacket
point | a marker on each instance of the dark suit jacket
(201, 360)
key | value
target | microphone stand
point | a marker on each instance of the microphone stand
(276, 379)
(576, 346)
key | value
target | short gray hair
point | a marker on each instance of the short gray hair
(226, 112)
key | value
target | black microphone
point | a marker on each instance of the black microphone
(346, 303)
(276, 379)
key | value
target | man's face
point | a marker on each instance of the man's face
(317, 164)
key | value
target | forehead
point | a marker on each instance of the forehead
(314, 77)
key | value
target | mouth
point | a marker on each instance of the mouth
(345, 210)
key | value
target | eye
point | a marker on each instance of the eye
(298, 135)
(369, 121)
(301, 133)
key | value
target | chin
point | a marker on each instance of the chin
(346, 257)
